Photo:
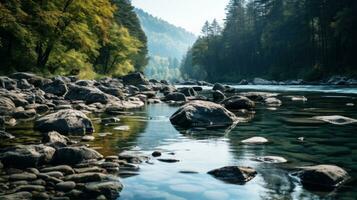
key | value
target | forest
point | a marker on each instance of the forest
(277, 39)
(89, 38)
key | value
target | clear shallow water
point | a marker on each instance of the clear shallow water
(202, 151)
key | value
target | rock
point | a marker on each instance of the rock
(23, 156)
(2, 123)
(30, 188)
(112, 91)
(33, 79)
(135, 79)
(322, 177)
(25, 114)
(65, 169)
(218, 96)
(65, 122)
(238, 102)
(188, 92)
(234, 174)
(65, 186)
(156, 154)
(175, 96)
(255, 140)
(90, 169)
(271, 159)
(17, 196)
(202, 114)
(55, 174)
(4, 135)
(272, 101)
(110, 189)
(86, 177)
(260, 81)
(88, 94)
(118, 107)
(168, 160)
(336, 119)
(243, 82)
(24, 84)
(57, 87)
(74, 155)
(218, 86)
(133, 157)
(110, 120)
(6, 105)
(55, 138)
(197, 88)
(22, 177)
(7, 83)
(122, 128)
(88, 138)
(40, 108)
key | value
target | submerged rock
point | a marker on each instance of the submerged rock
(234, 174)
(255, 140)
(322, 177)
(66, 122)
(336, 119)
(238, 102)
(202, 113)
(271, 159)
(74, 155)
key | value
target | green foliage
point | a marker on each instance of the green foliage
(277, 39)
(66, 37)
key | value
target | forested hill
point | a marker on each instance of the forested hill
(87, 38)
(277, 39)
(166, 43)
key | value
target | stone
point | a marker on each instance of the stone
(188, 92)
(7, 83)
(109, 165)
(322, 177)
(86, 177)
(55, 174)
(243, 82)
(110, 120)
(30, 188)
(88, 94)
(6, 105)
(135, 79)
(57, 87)
(65, 186)
(238, 102)
(109, 189)
(89, 169)
(218, 96)
(24, 84)
(74, 155)
(33, 79)
(54, 137)
(168, 160)
(218, 86)
(202, 114)
(88, 138)
(271, 159)
(272, 101)
(22, 177)
(17, 196)
(255, 140)
(260, 81)
(156, 154)
(133, 157)
(234, 174)
(65, 122)
(175, 96)
(4, 135)
(65, 169)
(24, 156)
(336, 119)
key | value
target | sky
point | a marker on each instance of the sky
(188, 14)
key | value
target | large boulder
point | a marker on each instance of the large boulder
(88, 94)
(6, 106)
(65, 122)
(74, 155)
(238, 102)
(322, 177)
(175, 96)
(31, 78)
(57, 87)
(202, 114)
(135, 79)
(23, 156)
(234, 174)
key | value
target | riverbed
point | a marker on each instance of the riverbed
(292, 133)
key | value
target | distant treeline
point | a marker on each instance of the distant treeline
(71, 37)
(277, 39)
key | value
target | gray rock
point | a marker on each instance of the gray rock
(23, 156)
(168, 160)
(7, 83)
(255, 140)
(4, 135)
(110, 189)
(260, 81)
(22, 177)
(218, 86)
(65, 186)
(238, 102)
(88, 94)
(135, 79)
(57, 87)
(188, 92)
(33, 79)
(25, 114)
(30, 188)
(175, 96)
(218, 96)
(74, 155)
(86, 177)
(88, 138)
(65, 169)
(24, 84)
(65, 122)
(55, 138)
(17, 196)
(6, 105)
(234, 174)
(202, 114)
(272, 101)
(322, 177)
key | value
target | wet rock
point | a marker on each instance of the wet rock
(133, 157)
(74, 155)
(86, 177)
(17, 196)
(65, 169)
(55, 174)
(110, 120)
(156, 154)
(88, 94)
(255, 140)
(197, 88)
(234, 174)
(336, 119)
(271, 159)
(65, 186)
(23, 156)
(117, 92)
(135, 79)
(22, 177)
(168, 160)
(57, 87)
(6, 105)
(218, 96)
(243, 82)
(168, 89)
(65, 122)
(258, 96)
(322, 177)
(260, 81)
(7, 83)
(89, 169)
(188, 92)
(175, 96)
(218, 86)
(4, 135)
(238, 102)
(88, 138)
(33, 79)
(30, 188)
(110, 189)
(24, 84)
(54, 138)
(272, 101)
(202, 113)
(118, 107)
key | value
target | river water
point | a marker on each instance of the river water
(200, 151)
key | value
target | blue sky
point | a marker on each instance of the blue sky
(189, 14)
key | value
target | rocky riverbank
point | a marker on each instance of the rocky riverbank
(61, 167)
